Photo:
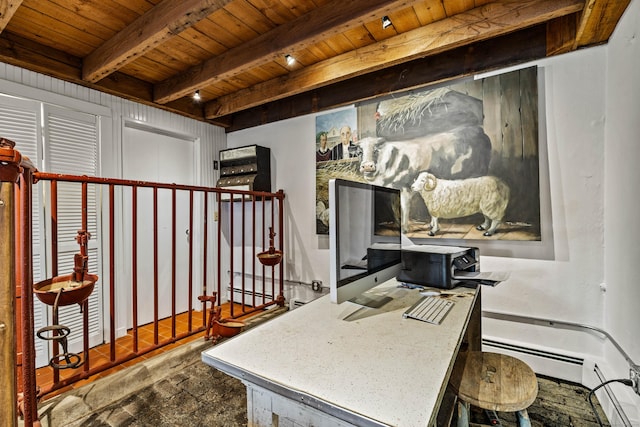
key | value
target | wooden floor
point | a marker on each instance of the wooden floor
(559, 404)
(101, 354)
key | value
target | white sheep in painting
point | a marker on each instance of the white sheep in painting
(457, 198)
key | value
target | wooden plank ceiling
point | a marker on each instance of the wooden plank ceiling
(233, 51)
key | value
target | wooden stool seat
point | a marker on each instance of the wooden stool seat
(495, 382)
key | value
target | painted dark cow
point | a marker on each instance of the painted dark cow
(463, 152)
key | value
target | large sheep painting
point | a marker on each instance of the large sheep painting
(464, 156)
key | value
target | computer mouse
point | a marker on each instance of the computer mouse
(430, 293)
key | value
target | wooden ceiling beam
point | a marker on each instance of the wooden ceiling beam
(331, 19)
(7, 9)
(512, 49)
(599, 19)
(491, 20)
(20, 52)
(561, 34)
(168, 18)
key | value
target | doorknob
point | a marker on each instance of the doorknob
(188, 235)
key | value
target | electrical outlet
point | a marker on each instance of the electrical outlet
(316, 285)
(635, 377)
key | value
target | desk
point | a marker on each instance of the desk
(326, 364)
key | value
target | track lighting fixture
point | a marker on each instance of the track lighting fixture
(290, 59)
(386, 22)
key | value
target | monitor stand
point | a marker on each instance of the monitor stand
(374, 301)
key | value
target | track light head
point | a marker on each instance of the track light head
(290, 59)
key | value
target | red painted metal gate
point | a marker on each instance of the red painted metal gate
(236, 227)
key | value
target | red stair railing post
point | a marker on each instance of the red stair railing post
(174, 252)
(112, 278)
(281, 243)
(9, 173)
(25, 279)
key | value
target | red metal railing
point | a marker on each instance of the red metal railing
(230, 254)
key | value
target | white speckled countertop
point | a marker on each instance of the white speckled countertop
(370, 362)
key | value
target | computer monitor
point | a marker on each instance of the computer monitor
(364, 240)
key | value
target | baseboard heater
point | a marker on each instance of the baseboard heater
(249, 292)
(538, 357)
(555, 365)
(533, 352)
(529, 354)
(295, 303)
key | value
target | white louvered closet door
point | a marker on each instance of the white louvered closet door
(71, 147)
(19, 122)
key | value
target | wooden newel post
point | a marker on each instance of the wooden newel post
(9, 172)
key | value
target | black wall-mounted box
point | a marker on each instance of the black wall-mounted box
(245, 168)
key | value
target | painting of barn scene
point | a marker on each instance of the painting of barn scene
(465, 157)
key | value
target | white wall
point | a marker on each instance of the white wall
(592, 116)
(622, 179)
(569, 287)
(292, 144)
(622, 153)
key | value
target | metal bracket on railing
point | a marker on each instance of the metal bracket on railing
(81, 259)
(10, 160)
(214, 314)
(60, 334)
(82, 238)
